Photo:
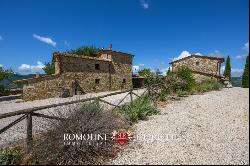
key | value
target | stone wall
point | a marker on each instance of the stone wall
(205, 65)
(200, 78)
(80, 74)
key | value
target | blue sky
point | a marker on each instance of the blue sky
(155, 31)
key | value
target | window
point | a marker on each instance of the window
(97, 66)
(97, 81)
(124, 81)
(197, 63)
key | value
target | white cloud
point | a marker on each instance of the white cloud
(182, 55)
(45, 40)
(144, 4)
(246, 52)
(216, 53)
(66, 43)
(198, 54)
(1, 65)
(246, 47)
(235, 72)
(241, 56)
(31, 69)
(164, 70)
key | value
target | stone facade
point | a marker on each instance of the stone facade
(203, 67)
(74, 74)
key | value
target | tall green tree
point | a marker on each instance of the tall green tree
(227, 72)
(245, 76)
(91, 51)
(168, 72)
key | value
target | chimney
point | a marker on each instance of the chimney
(110, 47)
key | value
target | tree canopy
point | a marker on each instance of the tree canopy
(5, 73)
(91, 51)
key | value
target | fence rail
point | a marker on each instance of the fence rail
(30, 112)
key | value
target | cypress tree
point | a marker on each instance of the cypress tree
(245, 76)
(168, 72)
(227, 72)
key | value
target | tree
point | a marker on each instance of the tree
(49, 68)
(245, 76)
(227, 72)
(91, 51)
(186, 75)
(168, 72)
(145, 72)
(5, 74)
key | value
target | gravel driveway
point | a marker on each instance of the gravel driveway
(212, 128)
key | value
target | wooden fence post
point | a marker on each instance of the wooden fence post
(29, 132)
(131, 97)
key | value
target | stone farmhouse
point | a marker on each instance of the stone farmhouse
(203, 67)
(74, 74)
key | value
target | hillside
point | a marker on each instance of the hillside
(236, 81)
(8, 83)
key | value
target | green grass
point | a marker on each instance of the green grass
(139, 110)
(11, 155)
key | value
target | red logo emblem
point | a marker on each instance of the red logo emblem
(122, 137)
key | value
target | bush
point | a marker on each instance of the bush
(11, 155)
(181, 93)
(174, 84)
(208, 85)
(186, 75)
(90, 118)
(139, 110)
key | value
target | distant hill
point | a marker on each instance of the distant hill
(8, 83)
(236, 81)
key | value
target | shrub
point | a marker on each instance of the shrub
(151, 78)
(181, 93)
(90, 118)
(139, 110)
(174, 84)
(2, 91)
(11, 155)
(208, 85)
(162, 95)
(186, 75)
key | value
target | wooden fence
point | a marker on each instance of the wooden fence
(29, 113)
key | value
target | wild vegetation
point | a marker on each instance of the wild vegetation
(5, 74)
(138, 110)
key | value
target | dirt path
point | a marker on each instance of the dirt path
(213, 129)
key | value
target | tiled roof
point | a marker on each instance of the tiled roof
(200, 56)
(116, 52)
